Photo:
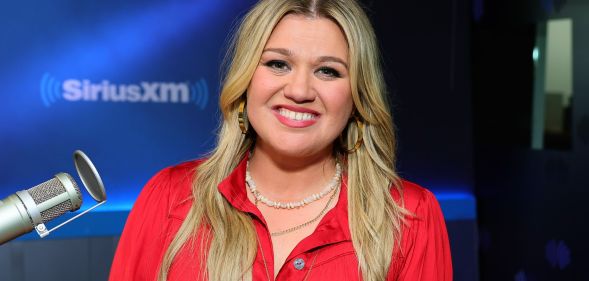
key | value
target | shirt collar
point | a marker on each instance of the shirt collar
(333, 227)
(234, 189)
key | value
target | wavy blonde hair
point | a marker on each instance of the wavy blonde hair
(374, 217)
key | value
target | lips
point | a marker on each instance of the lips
(295, 117)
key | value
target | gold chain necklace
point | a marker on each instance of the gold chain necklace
(263, 257)
(295, 228)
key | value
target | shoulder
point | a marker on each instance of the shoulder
(148, 228)
(174, 183)
(160, 197)
(423, 217)
(424, 249)
(178, 174)
(415, 198)
(166, 190)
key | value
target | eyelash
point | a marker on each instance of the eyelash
(276, 64)
(279, 65)
(329, 72)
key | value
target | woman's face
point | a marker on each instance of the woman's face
(299, 98)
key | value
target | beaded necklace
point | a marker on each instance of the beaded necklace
(333, 183)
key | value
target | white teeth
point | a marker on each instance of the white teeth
(298, 116)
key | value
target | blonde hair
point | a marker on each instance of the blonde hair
(374, 217)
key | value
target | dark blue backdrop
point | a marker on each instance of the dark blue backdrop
(134, 84)
(162, 60)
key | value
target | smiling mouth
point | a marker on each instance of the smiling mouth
(296, 116)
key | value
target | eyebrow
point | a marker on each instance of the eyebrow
(333, 59)
(288, 53)
(281, 51)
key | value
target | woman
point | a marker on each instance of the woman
(302, 183)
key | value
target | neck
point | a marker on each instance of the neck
(285, 178)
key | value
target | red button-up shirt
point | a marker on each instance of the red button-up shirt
(326, 254)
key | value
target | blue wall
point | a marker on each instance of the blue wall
(134, 84)
(162, 60)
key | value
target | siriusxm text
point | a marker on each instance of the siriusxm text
(85, 90)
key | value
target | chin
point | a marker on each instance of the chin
(299, 149)
(294, 145)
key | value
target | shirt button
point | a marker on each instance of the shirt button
(299, 263)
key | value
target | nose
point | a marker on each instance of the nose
(299, 88)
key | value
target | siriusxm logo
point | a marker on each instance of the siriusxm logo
(73, 90)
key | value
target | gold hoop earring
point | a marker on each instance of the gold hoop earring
(242, 117)
(360, 139)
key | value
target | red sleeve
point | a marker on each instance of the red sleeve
(142, 241)
(425, 248)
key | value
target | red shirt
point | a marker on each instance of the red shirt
(164, 202)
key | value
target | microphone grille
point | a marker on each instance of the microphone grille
(50, 189)
(56, 211)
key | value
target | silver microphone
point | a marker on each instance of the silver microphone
(30, 209)
(21, 212)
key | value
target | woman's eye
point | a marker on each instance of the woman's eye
(277, 64)
(329, 72)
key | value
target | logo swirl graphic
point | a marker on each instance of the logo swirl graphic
(50, 89)
(200, 93)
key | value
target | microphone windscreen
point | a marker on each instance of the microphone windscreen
(56, 196)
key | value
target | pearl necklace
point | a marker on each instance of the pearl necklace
(333, 183)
